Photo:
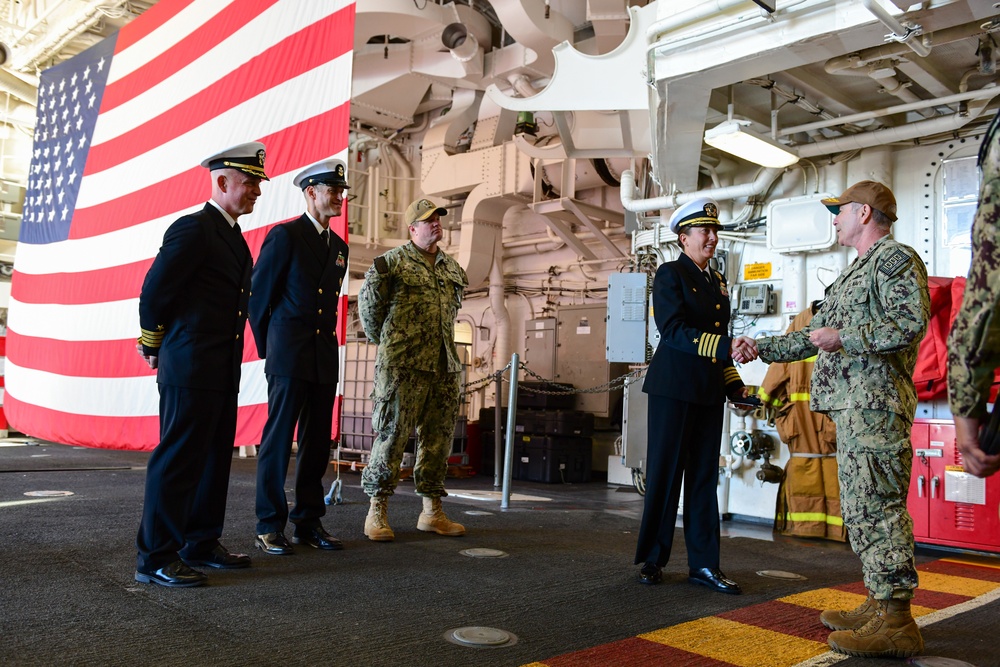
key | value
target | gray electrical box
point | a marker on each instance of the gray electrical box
(626, 335)
(580, 356)
(634, 429)
(540, 346)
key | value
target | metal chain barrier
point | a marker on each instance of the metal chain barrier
(562, 390)
(475, 385)
(558, 389)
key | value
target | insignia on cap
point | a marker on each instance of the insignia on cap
(711, 210)
(340, 170)
(260, 157)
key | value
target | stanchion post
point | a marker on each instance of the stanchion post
(508, 468)
(498, 429)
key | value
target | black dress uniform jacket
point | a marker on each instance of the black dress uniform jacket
(688, 379)
(193, 312)
(293, 315)
(293, 308)
(691, 362)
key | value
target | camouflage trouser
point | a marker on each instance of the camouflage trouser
(405, 399)
(874, 458)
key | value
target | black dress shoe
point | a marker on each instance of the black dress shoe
(220, 557)
(650, 574)
(174, 575)
(713, 578)
(275, 544)
(317, 538)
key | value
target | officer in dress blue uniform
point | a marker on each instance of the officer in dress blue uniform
(688, 380)
(192, 314)
(293, 315)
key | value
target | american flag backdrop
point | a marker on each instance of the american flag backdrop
(120, 131)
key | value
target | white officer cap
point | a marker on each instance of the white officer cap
(697, 212)
(248, 158)
(330, 172)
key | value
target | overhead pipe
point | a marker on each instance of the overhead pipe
(464, 47)
(18, 88)
(688, 17)
(900, 33)
(894, 134)
(986, 92)
(757, 186)
(853, 61)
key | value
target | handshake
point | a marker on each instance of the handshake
(743, 349)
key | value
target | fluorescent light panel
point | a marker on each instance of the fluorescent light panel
(734, 137)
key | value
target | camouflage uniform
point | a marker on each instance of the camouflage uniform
(974, 342)
(408, 308)
(880, 305)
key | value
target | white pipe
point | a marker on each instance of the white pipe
(900, 32)
(986, 92)
(893, 134)
(758, 185)
(498, 305)
(522, 85)
(703, 11)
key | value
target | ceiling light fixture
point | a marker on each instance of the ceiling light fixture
(735, 137)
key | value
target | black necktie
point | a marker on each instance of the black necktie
(708, 276)
(325, 235)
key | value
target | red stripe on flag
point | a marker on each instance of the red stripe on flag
(149, 21)
(162, 198)
(132, 433)
(114, 283)
(183, 53)
(92, 358)
(300, 144)
(98, 359)
(256, 76)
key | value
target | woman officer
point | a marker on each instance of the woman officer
(688, 380)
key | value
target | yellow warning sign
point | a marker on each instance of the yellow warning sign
(761, 271)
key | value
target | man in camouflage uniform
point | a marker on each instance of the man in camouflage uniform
(866, 337)
(408, 304)
(974, 343)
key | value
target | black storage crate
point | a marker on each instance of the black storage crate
(556, 459)
(532, 399)
(521, 457)
(546, 459)
(569, 422)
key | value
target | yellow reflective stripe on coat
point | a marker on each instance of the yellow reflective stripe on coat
(818, 517)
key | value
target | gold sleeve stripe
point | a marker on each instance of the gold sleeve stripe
(151, 338)
(731, 375)
(708, 345)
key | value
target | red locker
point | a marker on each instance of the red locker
(950, 507)
(917, 502)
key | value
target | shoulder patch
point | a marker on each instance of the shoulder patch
(381, 265)
(895, 262)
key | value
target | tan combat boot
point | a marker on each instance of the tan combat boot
(836, 619)
(376, 523)
(890, 633)
(433, 520)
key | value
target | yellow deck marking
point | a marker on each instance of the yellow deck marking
(736, 643)
(831, 598)
(959, 561)
(825, 598)
(946, 583)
